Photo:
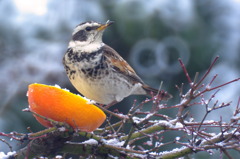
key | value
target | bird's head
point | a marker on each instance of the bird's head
(89, 32)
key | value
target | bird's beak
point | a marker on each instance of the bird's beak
(104, 26)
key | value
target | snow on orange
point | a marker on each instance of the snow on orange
(61, 105)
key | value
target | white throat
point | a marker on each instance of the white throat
(85, 46)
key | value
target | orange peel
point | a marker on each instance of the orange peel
(63, 106)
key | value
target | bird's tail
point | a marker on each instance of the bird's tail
(163, 95)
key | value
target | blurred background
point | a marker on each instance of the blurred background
(150, 35)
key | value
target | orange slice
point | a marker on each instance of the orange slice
(61, 105)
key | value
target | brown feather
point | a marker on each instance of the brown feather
(120, 65)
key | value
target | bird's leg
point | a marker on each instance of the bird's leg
(110, 112)
(111, 104)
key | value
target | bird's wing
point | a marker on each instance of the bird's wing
(120, 65)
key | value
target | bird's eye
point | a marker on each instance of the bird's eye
(88, 29)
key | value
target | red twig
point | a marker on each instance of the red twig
(237, 108)
(210, 89)
(185, 71)
(11, 136)
(208, 71)
(214, 77)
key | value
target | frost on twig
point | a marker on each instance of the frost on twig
(144, 132)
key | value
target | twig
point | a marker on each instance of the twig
(210, 89)
(120, 116)
(208, 71)
(9, 146)
(237, 110)
(185, 71)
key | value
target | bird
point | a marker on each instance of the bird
(98, 72)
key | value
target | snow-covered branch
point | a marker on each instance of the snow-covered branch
(143, 132)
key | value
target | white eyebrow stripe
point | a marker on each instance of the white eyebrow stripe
(84, 25)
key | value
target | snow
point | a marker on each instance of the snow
(149, 143)
(111, 156)
(178, 125)
(176, 150)
(65, 89)
(209, 121)
(90, 142)
(164, 123)
(235, 118)
(57, 86)
(191, 119)
(208, 87)
(148, 115)
(168, 124)
(123, 116)
(177, 138)
(26, 109)
(161, 106)
(183, 101)
(89, 101)
(114, 142)
(6, 156)
(221, 144)
(209, 109)
(212, 134)
(62, 129)
(236, 133)
(136, 119)
(158, 144)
